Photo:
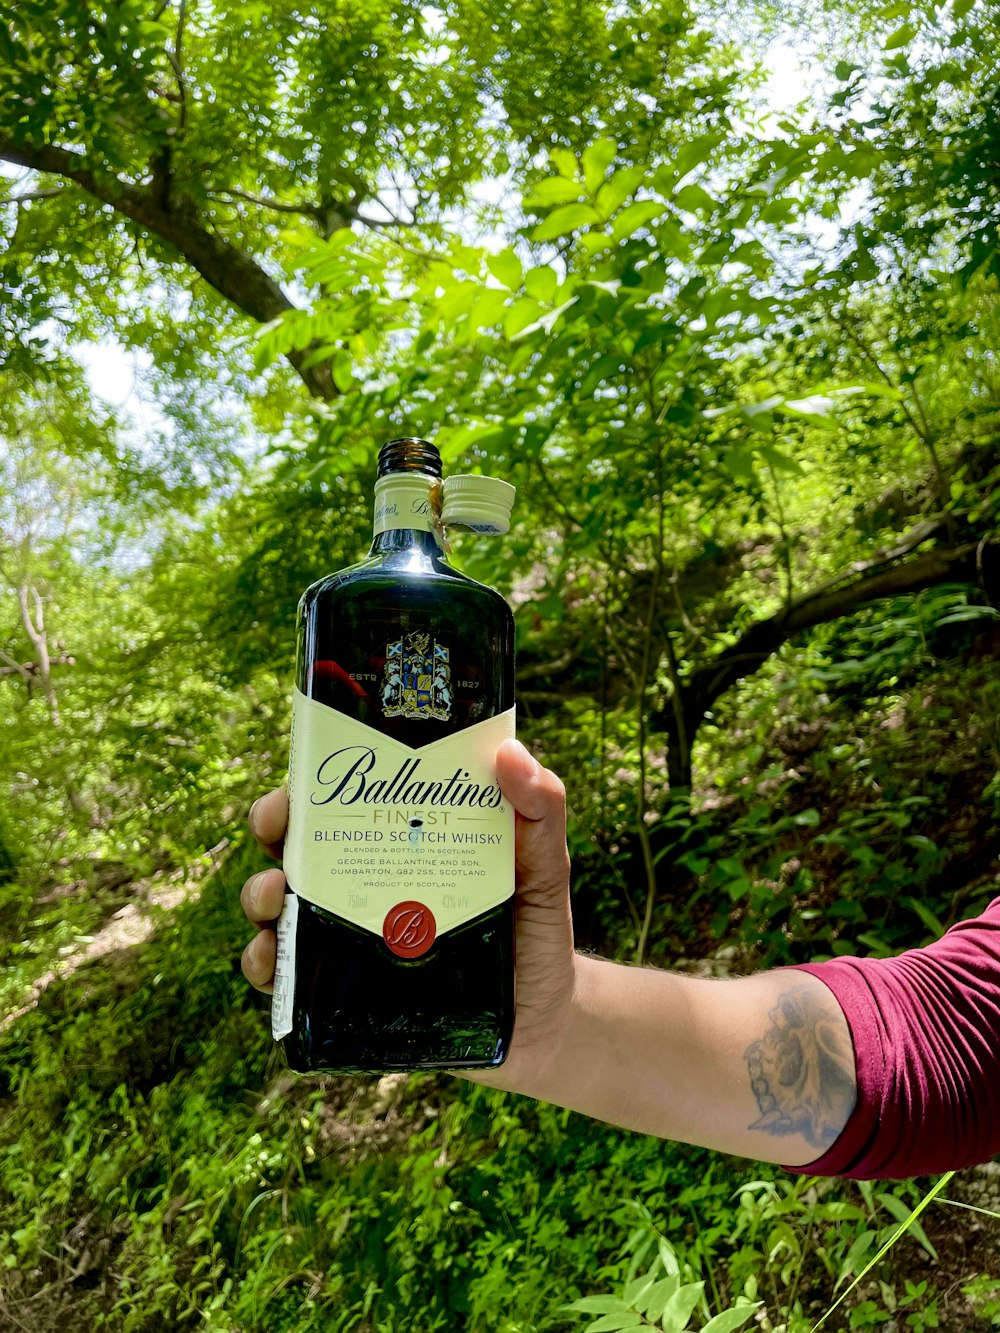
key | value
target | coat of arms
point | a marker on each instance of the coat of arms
(416, 680)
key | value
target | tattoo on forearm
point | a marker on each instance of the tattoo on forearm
(802, 1069)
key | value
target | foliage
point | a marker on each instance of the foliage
(154, 1184)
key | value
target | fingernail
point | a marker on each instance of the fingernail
(529, 763)
(250, 955)
(250, 819)
(253, 889)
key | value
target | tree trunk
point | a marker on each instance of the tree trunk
(32, 607)
(230, 271)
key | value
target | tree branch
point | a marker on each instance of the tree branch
(25, 670)
(553, 668)
(32, 195)
(277, 205)
(176, 59)
(28, 671)
(229, 270)
(34, 627)
(331, 215)
(973, 562)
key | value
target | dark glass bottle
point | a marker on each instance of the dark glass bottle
(416, 652)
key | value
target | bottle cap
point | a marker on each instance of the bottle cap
(482, 504)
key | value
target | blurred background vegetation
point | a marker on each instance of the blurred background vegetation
(716, 288)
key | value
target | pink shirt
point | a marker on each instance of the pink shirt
(926, 1034)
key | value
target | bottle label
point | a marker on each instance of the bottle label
(284, 971)
(404, 501)
(406, 843)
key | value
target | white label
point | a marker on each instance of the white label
(397, 840)
(284, 971)
(403, 500)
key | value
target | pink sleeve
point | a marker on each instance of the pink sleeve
(926, 1034)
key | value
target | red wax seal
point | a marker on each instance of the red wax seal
(409, 929)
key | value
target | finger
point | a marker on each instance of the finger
(262, 897)
(258, 961)
(268, 819)
(540, 800)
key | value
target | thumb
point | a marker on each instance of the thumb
(539, 798)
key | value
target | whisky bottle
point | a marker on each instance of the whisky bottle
(395, 945)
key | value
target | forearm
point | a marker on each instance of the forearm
(760, 1066)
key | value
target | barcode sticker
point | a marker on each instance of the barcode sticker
(284, 971)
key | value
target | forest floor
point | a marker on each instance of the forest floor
(160, 1169)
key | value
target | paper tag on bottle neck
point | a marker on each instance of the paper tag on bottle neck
(403, 500)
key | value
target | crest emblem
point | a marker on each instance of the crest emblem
(416, 679)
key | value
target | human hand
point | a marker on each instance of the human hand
(546, 964)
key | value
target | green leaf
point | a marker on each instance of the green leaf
(668, 1258)
(758, 417)
(681, 1306)
(565, 219)
(541, 283)
(967, 613)
(740, 463)
(565, 162)
(520, 315)
(901, 37)
(546, 321)
(615, 191)
(778, 211)
(925, 914)
(596, 160)
(637, 215)
(779, 461)
(729, 1320)
(658, 1296)
(635, 1291)
(902, 1213)
(604, 368)
(554, 190)
(488, 310)
(611, 1323)
(856, 1254)
(324, 352)
(342, 371)
(693, 154)
(506, 268)
(593, 241)
(694, 199)
(599, 1305)
(270, 344)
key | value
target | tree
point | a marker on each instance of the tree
(212, 135)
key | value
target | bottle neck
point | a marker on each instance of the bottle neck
(405, 539)
(404, 514)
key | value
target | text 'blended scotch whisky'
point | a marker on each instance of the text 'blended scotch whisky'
(395, 946)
